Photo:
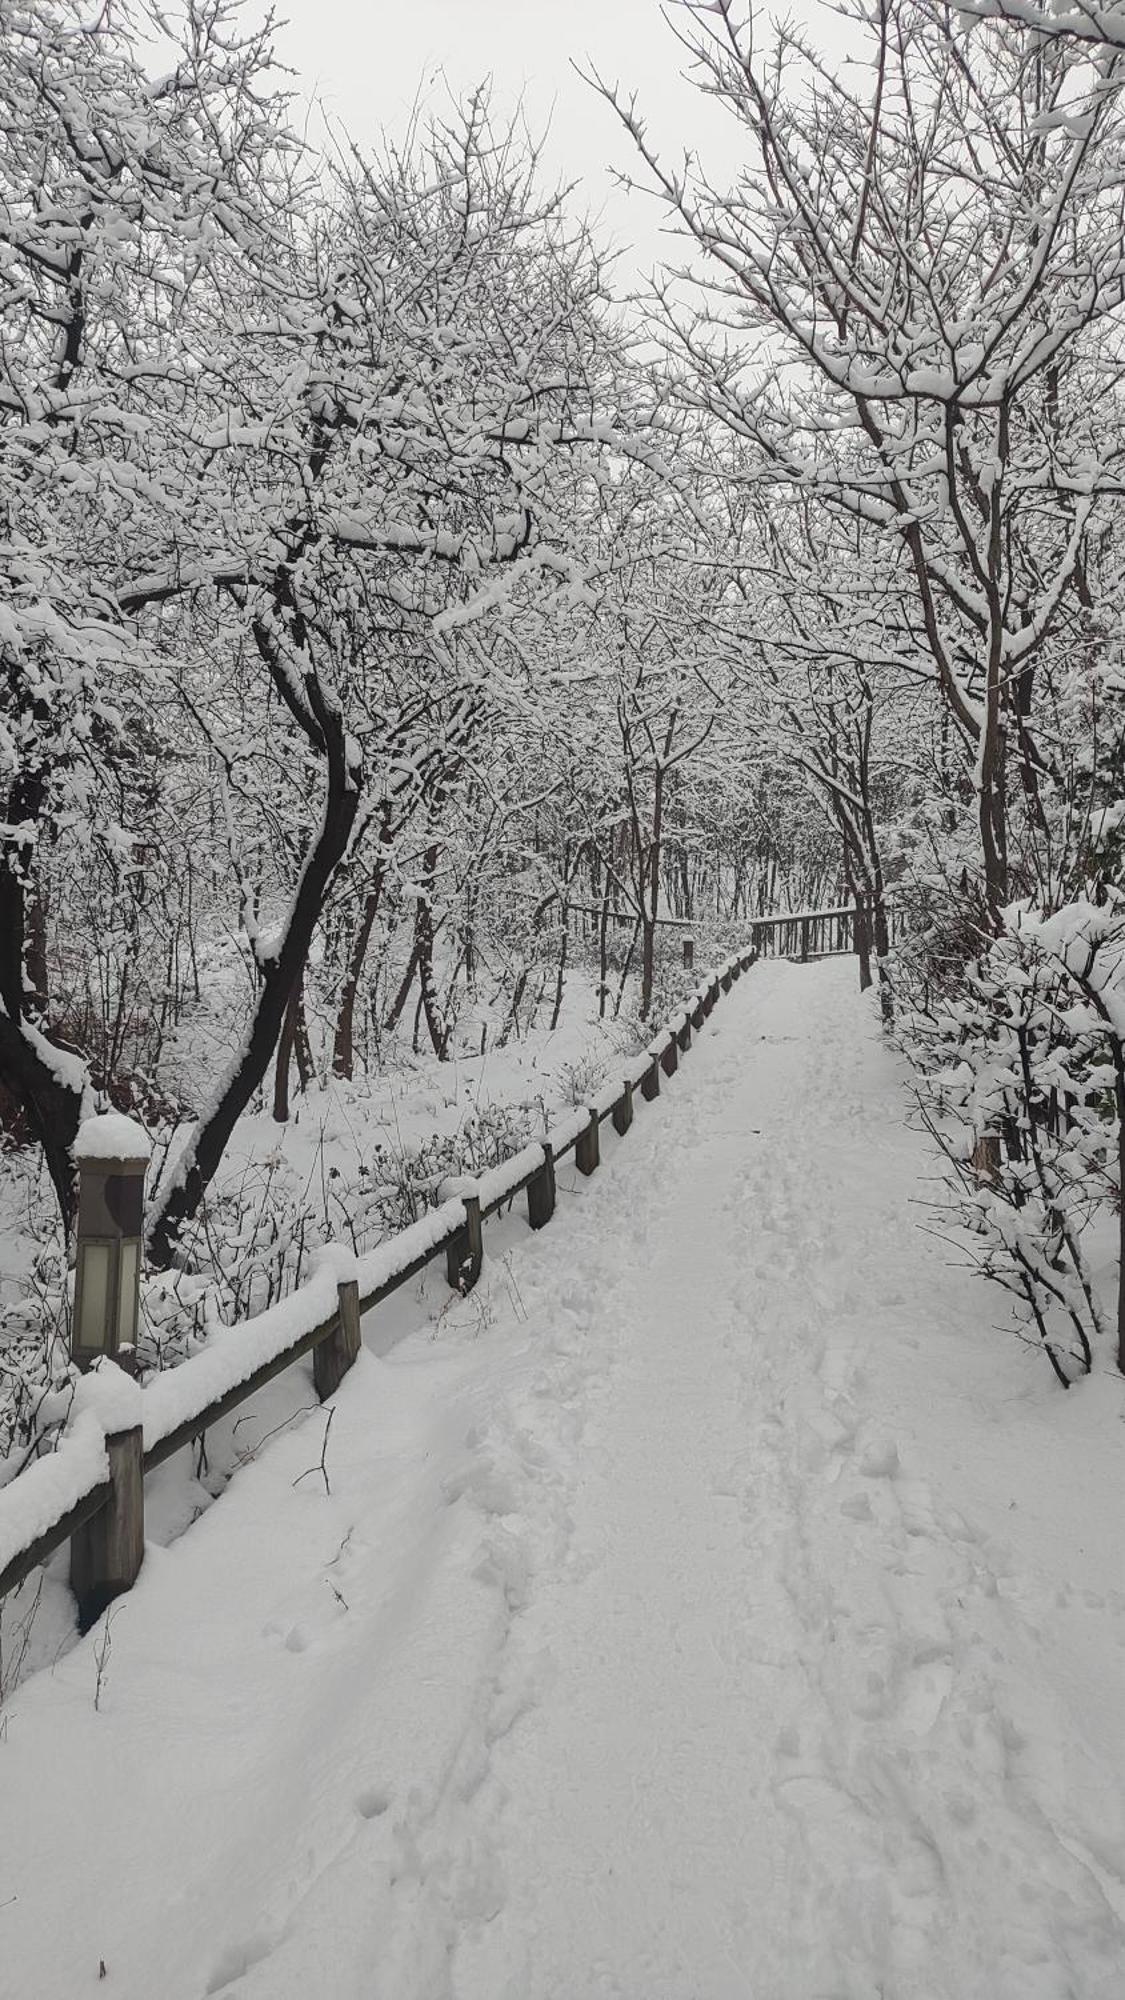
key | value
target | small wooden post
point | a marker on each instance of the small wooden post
(465, 1254)
(588, 1149)
(684, 1036)
(804, 940)
(622, 1113)
(689, 953)
(107, 1551)
(708, 1001)
(650, 1081)
(698, 1013)
(670, 1057)
(541, 1190)
(736, 969)
(724, 981)
(333, 1356)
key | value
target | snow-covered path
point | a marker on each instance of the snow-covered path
(716, 1607)
(777, 1753)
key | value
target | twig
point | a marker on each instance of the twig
(321, 1467)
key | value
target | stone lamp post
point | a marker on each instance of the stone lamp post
(112, 1153)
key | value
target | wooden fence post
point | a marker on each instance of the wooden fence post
(107, 1551)
(587, 1149)
(698, 1014)
(684, 1035)
(650, 1081)
(689, 953)
(724, 981)
(334, 1355)
(541, 1190)
(465, 1254)
(670, 1057)
(736, 969)
(622, 1113)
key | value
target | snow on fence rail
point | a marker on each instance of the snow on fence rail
(799, 934)
(90, 1490)
(805, 934)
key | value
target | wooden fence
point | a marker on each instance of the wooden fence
(806, 934)
(90, 1490)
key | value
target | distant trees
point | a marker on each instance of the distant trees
(904, 318)
(907, 314)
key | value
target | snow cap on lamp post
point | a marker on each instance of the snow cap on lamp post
(112, 1153)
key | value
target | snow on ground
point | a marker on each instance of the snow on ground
(715, 1606)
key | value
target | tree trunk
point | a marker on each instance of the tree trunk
(48, 1083)
(560, 975)
(403, 993)
(343, 1041)
(285, 1043)
(343, 1044)
(862, 941)
(424, 945)
(280, 976)
(649, 916)
(648, 964)
(603, 950)
(1119, 1071)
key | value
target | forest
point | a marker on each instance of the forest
(409, 636)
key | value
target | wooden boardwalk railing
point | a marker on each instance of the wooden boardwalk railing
(806, 934)
(90, 1490)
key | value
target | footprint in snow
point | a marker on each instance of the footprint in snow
(240, 1958)
(879, 1459)
(927, 1688)
(372, 1802)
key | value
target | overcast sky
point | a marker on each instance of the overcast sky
(369, 59)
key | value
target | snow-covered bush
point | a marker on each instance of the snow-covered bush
(1016, 1082)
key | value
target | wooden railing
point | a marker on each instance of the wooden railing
(806, 934)
(90, 1490)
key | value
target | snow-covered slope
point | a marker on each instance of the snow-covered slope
(719, 1605)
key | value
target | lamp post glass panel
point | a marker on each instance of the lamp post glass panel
(112, 1153)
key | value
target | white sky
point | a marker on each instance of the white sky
(368, 59)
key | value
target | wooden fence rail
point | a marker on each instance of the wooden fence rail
(806, 934)
(90, 1490)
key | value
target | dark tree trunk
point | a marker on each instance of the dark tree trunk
(424, 947)
(281, 1067)
(343, 1046)
(1119, 1070)
(403, 993)
(280, 977)
(862, 941)
(343, 1043)
(560, 975)
(603, 949)
(47, 1083)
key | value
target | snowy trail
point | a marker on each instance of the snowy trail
(774, 1758)
(715, 1607)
